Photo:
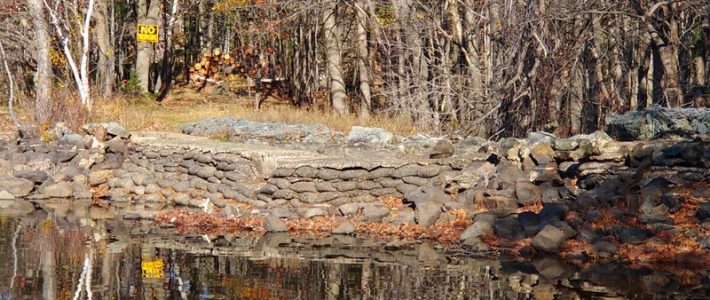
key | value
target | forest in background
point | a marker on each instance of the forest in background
(491, 68)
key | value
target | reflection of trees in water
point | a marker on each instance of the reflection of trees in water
(52, 253)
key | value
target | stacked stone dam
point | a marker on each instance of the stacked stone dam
(493, 182)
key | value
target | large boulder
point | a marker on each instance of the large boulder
(259, 132)
(657, 122)
(17, 187)
(549, 239)
(427, 212)
(367, 135)
(426, 194)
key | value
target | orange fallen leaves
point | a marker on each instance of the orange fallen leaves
(200, 222)
(317, 226)
(572, 247)
(535, 207)
(497, 242)
(391, 201)
(667, 248)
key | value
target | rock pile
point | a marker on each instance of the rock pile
(68, 166)
(246, 131)
(658, 122)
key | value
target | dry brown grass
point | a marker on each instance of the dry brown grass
(186, 105)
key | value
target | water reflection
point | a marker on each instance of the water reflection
(69, 252)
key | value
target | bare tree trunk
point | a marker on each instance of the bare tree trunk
(363, 59)
(43, 76)
(106, 76)
(147, 14)
(333, 58)
(11, 88)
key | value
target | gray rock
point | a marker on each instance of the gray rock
(527, 193)
(259, 132)
(538, 137)
(25, 172)
(530, 222)
(390, 183)
(632, 235)
(427, 194)
(116, 145)
(703, 212)
(367, 135)
(347, 227)
(313, 212)
(565, 144)
(476, 230)
(381, 172)
(413, 180)
(348, 209)
(306, 172)
(324, 187)
(353, 175)
(549, 239)
(485, 217)
(99, 177)
(60, 189)
(551, 213)
(282, 172)
(658, 122)
(705, 242)
(304, 186)
(442, 149)
(206, 172)
(268, 189)
(605, 248)
(427, 212)
(345, 186)
(509, 228)
(72, 140)
(285, 194)
(17, 187)
(274, 224)
(116, 130)
(406, 170)
(374, 213)
(327, 174)
(181, 187)
(283, 212)
(5, 195)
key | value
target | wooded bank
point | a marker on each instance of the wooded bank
(490, 68)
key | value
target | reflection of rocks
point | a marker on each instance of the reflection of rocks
(15, 207)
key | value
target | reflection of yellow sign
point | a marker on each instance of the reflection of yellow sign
(147, 33)
(152, 268)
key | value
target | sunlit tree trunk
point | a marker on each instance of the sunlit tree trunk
(333, 58)
(363, 60)
(147, 14)
(106, 76)
(43, 75)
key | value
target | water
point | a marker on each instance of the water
(70, 252)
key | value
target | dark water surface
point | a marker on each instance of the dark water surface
(74, 252)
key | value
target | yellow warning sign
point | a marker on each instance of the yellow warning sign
(152, 268)
(147, 33)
